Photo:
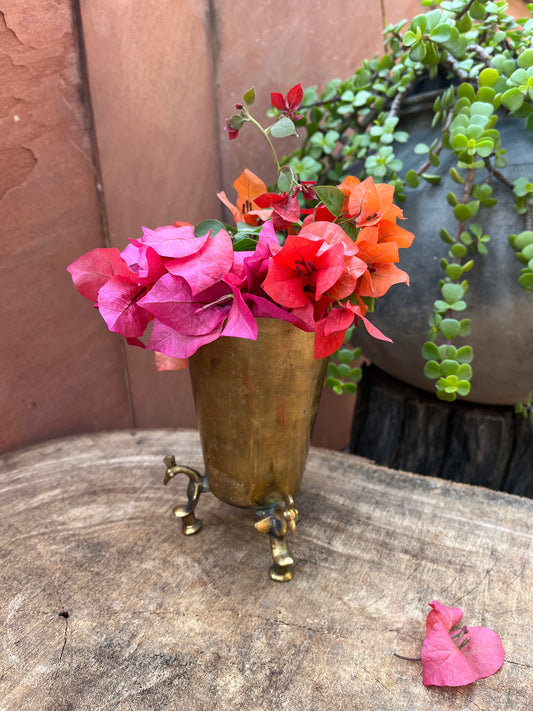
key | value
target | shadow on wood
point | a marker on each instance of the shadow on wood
(402, 427)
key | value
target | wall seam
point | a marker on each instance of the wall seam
(86, 102)
(213, 42)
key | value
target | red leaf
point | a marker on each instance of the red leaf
(277, 100)
(295, 97)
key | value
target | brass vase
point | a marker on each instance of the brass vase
(256, 404)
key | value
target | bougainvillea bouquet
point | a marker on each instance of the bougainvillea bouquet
(315, 256)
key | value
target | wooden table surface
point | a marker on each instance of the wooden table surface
(106, 605)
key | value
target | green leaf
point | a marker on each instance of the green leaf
(449, 327)
(447, 351)
(459, 141)
(283, 128)
(446, 396)
(485, 93)
(244, 243)
(236, 122)
(421, 149)
(441, 33)
(417, 53)
(335, 385)
(345, 355)
(527, 252)
(488, 77)
(454, 175)
(452, 199)
(525, 59)
(526, 281)
(484, 147)
(465, 371)
(432, 369)
(332, 197)
(430, 178)
(202, 228)
(481, 108)
(344, 370)
(446, 236)
(463, 388)
(284, 181)
(411, 179)
(513, 99)
(452, 292)
(477, 10)
(465, 354)
(462, 212)
(409, 38)
(249, 96)
(464, 23)
(466, 91)
(458, 305)
(449, 367)
(464, 327)
(440, 306)
(454, 271)
(430, 351)
(523, 239)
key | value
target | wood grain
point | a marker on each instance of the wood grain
(105, 605)
(403, 427)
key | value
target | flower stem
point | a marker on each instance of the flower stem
(409, 659)
(267, 137)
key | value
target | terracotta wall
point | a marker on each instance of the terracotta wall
(61, 372)
(111, 116)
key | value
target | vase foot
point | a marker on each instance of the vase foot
(280, 520)
(197, 485)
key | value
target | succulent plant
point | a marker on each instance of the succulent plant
(484, 59)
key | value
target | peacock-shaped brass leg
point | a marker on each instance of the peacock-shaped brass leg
(197, 485)
(280, 520)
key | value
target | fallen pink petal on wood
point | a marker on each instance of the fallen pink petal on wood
(457, 657)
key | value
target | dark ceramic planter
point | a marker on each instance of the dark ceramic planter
(501, 311)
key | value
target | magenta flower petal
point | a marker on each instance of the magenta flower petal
(443, 664)
(144, 262)
(241, 322)
(118, 305)
(206, 266)
(484, 652)
(457, 657)
(171, 301)
(264, 308)
(449, 616)
(92, 270)
(166, 340)
(175, 242)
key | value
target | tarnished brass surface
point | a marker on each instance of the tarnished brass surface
(279, 521)
(197, 485)
(256, 404)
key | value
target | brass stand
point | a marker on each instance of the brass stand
(278, 520)
(197, 485)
